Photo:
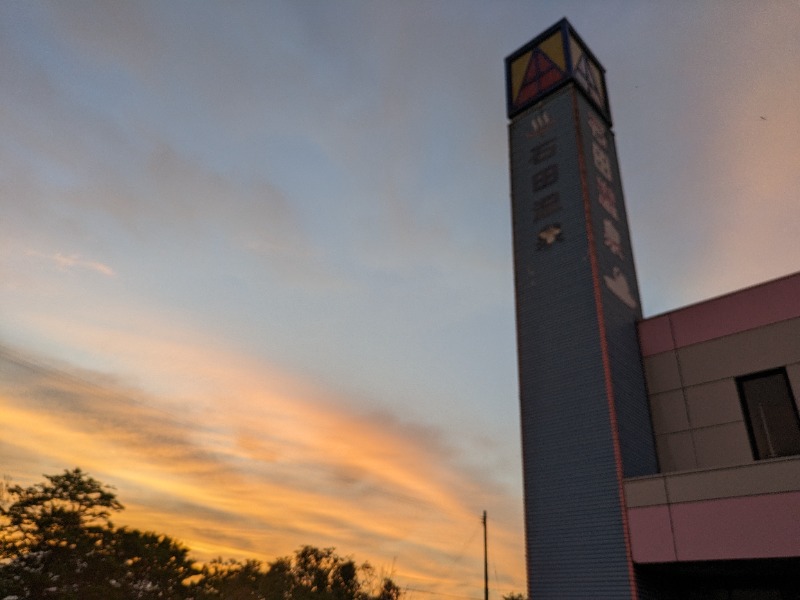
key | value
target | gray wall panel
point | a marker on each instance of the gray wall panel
(662, 373)
(676, 451)
(669, 412)
(722, 445)
(648, 491)
(742, 353)
(714, 403)
(765, 477)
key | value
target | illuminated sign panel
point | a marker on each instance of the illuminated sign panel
(549, 61)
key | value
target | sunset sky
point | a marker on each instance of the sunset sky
(255, 257)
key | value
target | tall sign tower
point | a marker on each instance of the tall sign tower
(584, 412)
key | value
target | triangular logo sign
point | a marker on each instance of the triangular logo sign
(542, 73)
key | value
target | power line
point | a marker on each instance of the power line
(409, 589)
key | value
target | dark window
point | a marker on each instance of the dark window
(771, 414)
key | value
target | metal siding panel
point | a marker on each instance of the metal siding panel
(620, 294)
(575, 538)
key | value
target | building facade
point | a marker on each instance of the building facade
(646, 443)
(722, 516)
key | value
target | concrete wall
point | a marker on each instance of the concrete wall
(692, 358)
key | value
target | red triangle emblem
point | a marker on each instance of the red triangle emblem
(541, 75)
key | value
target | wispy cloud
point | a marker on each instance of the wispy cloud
(259, 472)
(76, 261)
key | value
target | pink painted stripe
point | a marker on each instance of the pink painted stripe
(763, 526)
(651, 534)
(655, 335)
(753, 307)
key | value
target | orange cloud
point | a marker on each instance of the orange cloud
(262, 469)
(73, 261)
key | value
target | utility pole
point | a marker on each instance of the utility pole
(6, 483)
(485, 561)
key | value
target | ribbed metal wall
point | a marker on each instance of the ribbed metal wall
(574, 518)
(629, 392)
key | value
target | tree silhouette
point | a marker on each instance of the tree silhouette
(57, 542)
(69, 509)
(312, 574)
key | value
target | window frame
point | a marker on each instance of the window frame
(741, 381)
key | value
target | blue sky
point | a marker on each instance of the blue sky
(255, 257)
